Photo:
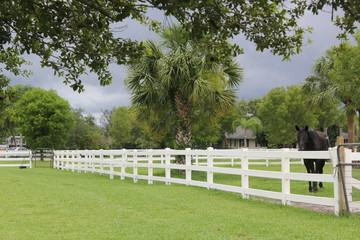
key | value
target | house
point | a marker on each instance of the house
(241, 138)
(15, 141)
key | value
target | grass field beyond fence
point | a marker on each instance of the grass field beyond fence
(52, 204)
(296, 187)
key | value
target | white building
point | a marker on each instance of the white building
(15, 141)
(241, 138)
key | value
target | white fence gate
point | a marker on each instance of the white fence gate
(118, 162)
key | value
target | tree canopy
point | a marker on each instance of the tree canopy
(85, 134)
(346, 70)
(121, 127)
(44, 119)
(280, 110)
(8, 124)
(74, 37)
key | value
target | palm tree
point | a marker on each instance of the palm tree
(346, 71)
(180, 82)
(323, 90)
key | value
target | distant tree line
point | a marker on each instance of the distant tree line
(47, 120)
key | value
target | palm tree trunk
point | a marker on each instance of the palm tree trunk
(184, 128)
(183, 136)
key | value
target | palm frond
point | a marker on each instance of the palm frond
(235, 74)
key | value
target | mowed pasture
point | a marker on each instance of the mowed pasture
(53, 204)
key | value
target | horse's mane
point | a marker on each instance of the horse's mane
(318, 139)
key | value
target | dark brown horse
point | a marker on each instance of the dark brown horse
(311, 140)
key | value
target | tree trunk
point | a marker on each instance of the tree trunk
(183, 136)
(184, 128)
(351, 129)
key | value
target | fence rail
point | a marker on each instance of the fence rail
(15, 159)
(126, 164)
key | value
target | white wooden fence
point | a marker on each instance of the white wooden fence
(15, 159)
(118, 163)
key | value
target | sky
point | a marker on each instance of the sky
(262, 70)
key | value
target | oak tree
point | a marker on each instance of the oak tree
(75, 37)
(44, 119)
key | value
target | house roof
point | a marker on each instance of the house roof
(241, 133)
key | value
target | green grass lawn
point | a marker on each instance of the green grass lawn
(52, 204)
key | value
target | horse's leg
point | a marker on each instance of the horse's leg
(310, 169)
(319, 168)
(314, 169)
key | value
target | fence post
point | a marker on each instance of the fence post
(56, 155)
(63, 160)
(340, 187)
(188, 166)
(285, 169)
(73, 159)
(111, 161)
(335, 161)
(30, 160)
(78, 158)
(93, 161)
(196, 160)
(244, 176)
(267, 159)
(123, 162)
(135, 168)
(101, 162)
(210, 165)
(167, 166)
(66, 162)
(86, 160)
(150, 167)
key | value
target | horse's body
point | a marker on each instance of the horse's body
(311, 140)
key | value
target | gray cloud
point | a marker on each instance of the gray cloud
(264, 71)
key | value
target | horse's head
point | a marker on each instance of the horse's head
(303, 137)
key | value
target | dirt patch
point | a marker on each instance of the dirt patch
(313, 207)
